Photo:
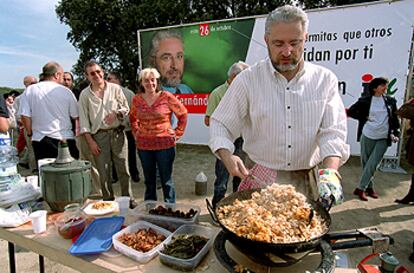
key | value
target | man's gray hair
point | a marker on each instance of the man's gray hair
(156, 40)
(50, 69)
(236, 68)
(287, 14)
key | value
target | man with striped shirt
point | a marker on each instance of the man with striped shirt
(289, 113)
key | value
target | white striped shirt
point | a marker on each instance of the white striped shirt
(285, 125)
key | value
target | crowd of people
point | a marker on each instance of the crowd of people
(104, 123)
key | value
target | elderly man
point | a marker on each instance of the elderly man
(289, 113)
(222, 175)
(167, 56)
(46, 109)
(27, 159)
(114, 77)
(103, 109)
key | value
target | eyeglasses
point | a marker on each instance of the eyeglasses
(93, 73)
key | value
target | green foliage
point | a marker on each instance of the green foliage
(106, 30)
(4, 89)
(312, 4)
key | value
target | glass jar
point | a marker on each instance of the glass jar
(72, 222)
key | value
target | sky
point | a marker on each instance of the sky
(30, 36)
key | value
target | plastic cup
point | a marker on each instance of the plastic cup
(34, 180)
(38, 221)
(123, 204)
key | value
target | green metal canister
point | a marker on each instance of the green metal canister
(66, 180)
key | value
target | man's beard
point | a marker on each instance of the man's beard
(172, 81)
(286, 67)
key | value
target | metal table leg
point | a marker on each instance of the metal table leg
(12, 261)
(41, 264)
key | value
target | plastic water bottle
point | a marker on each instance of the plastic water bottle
(8, 159)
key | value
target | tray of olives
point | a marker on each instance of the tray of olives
(167, 215)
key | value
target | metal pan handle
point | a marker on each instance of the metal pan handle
(211, 211)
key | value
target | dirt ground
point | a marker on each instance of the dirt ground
(391, 218)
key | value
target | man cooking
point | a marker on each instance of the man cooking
(289, 113)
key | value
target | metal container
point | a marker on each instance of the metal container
(66, 180)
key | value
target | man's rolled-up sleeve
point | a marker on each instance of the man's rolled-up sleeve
(228, 118)
(85, 125)
(333, 131)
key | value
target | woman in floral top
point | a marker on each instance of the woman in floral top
(150, 117)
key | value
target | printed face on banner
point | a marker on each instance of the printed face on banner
(169, 61)
(285, 43)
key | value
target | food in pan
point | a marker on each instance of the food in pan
(276, 214)
(142, 240)
(102, 205)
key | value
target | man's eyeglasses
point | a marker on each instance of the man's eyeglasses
(96, 72)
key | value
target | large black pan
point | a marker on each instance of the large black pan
(245, 243)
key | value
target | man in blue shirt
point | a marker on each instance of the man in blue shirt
(167, 56)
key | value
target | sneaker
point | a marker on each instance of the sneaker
(370, 192)
(360, 194)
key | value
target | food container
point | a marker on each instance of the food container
(141, 257)
(168, 222)
(69, 228)
(189, 264)
(97, 237)
(72, 222)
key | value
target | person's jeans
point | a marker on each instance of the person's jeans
(372, 152)
(163, 159)
(220, 185)
(222, 175)
(132, 156)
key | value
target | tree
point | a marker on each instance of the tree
(312, 4)
(106, 30)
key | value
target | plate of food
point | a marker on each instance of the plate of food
(101, 207)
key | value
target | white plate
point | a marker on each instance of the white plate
(91, 211)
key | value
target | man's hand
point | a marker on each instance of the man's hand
(233, 163)
(93, 146)
(110, 118)
(330, 188)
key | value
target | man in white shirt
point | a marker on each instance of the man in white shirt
(289, 113)
(46, 109)
(27, 158)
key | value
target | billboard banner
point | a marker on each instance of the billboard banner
(356, 42)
